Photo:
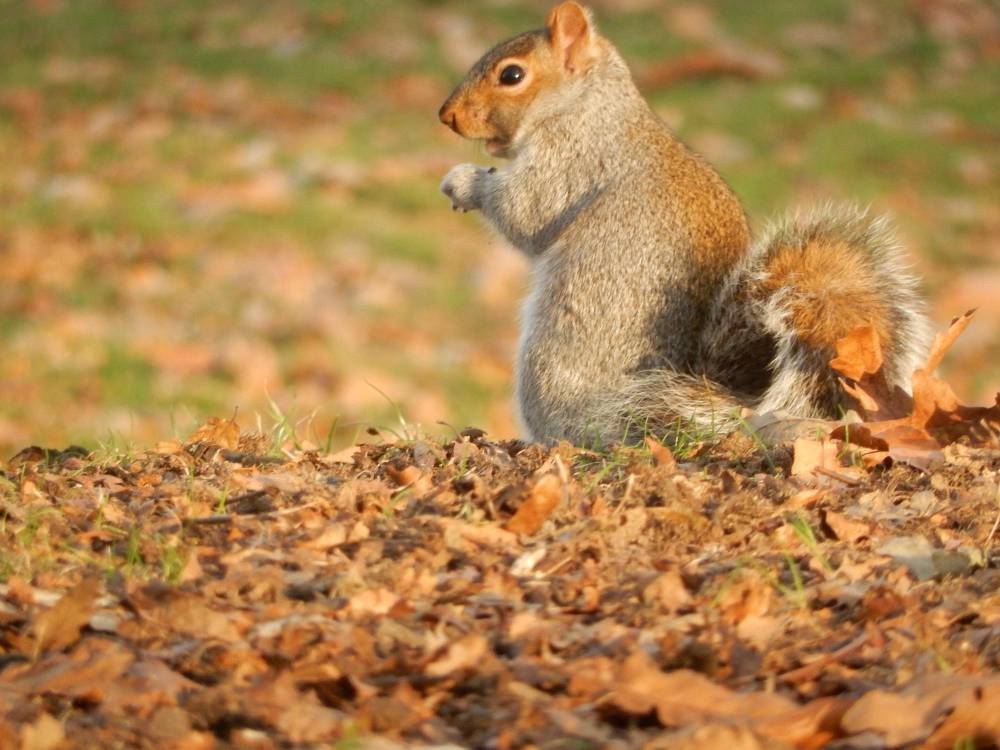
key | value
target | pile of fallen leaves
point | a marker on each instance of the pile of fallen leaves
(495, 594)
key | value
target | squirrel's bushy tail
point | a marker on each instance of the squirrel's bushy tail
(665, 403)
(809, 280)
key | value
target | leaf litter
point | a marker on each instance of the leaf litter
(483, 593)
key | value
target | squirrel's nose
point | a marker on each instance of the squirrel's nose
(447, 115)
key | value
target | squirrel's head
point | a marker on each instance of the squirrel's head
(491, 102)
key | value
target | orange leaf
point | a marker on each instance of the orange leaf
(858, 353)
(544, 497)
(662, 455)
(59, 627)
(859, 358)
(943, 341)
(812, 454)
(222, 432)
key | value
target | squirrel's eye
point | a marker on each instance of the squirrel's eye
(511, 75)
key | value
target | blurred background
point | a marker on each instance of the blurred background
(209, 204)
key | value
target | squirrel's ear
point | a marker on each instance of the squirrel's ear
(572, 34)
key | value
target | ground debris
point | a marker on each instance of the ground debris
(478, 593)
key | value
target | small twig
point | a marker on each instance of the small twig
(214, 519)
(557, 567)
(849, 481)
(811, 671)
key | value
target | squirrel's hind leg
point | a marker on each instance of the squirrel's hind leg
(818, 277)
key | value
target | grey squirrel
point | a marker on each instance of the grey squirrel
(650, 302)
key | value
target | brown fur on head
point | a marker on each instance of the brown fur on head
(490, 104)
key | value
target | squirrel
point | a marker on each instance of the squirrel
(650, 304)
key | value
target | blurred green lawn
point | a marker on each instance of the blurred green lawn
(211, 205)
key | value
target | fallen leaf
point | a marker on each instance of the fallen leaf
(914, 713)
(709, 736)
(859, 353)
(668, 592)
(935, 417)
(60, 626)
(859, 358)
(543, 498)
(221, 432)
(94, 664)
(923, 559)
(844, 528)
(462, 654)
(45, 733)
(663, 457)
(810, 455)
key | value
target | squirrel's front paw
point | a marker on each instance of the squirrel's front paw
(460, 186)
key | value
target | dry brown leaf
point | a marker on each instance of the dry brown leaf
(935, 417)
(978, 717)
(859, 353)
(844, 528)
(192, 615)
(810, 455)
(332, 536)
(662, 455)
(465, 653)
(859, 358)
(683, 697)
(85, 673)
(296, 713)
(480, 535)
(750, 594)
(45, 733)
(372, 602)
(807, 727)
(914, 713)
(59, 627)
(411, 477)
(668, 592)
(712, 736)
(345, 456)
(758, 630)
(944, 340)
(544, 497)
(222, 432)
(144, 684)
(169, 447)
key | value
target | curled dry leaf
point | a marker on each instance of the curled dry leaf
(45, 733)
(59, 627)
(668, 592)
(859, 358)
(844, 528)
(685, 698)
(911, 431)
(810, 455)
(916, 712)
(222, 432)
(541, 501)
(662, 455)
(462, 654)
(859, 353)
